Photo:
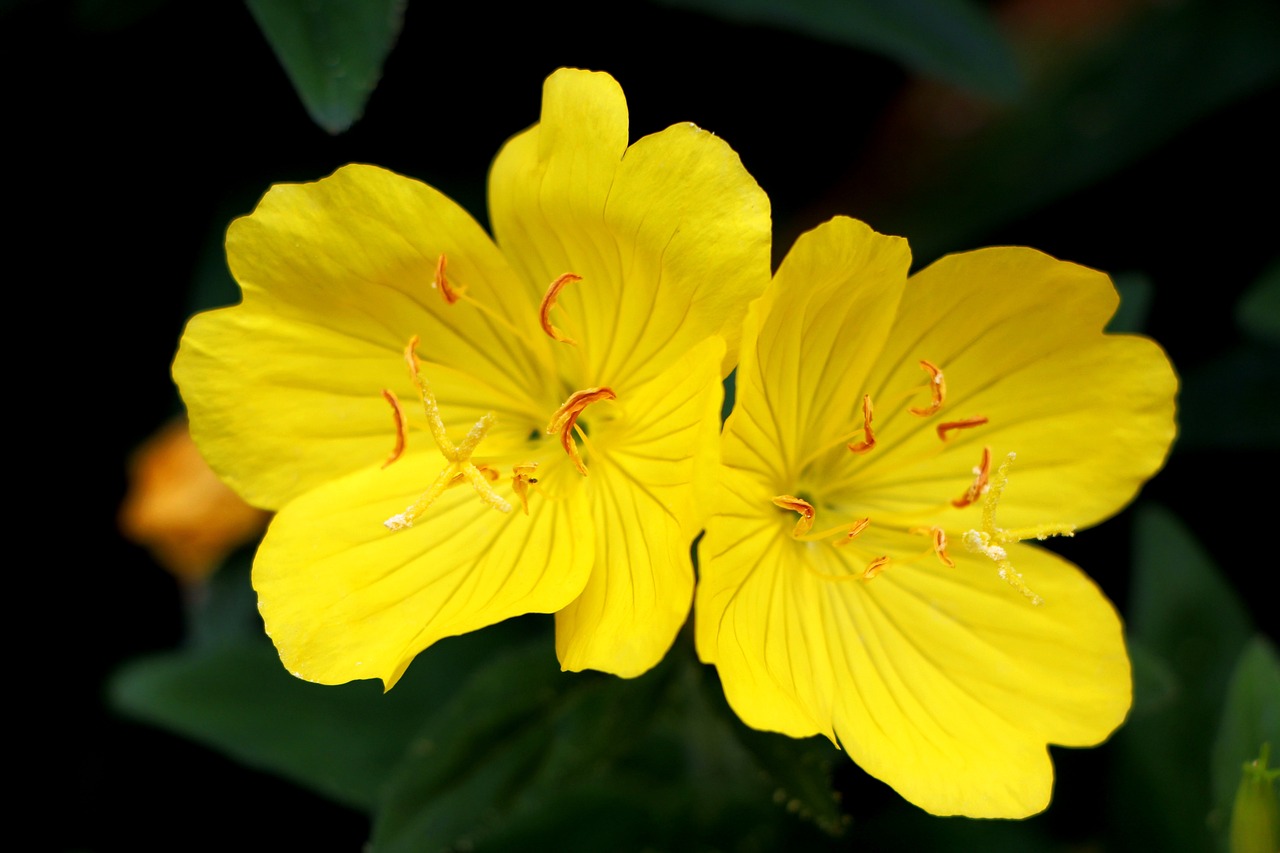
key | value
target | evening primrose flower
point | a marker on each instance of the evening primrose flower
(456, 430)
(865, 573)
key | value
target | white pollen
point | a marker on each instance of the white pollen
(397, 522)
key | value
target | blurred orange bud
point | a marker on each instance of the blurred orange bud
(179, 510)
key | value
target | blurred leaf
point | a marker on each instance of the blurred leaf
(1155, 686)
(1259, 311)
(683, 782)
(1229, 403)
(800, 771)
(1177, 64)
(340, 741)
(1250, 719)
(952, 40)
(1135, 303)
(332, 50)
(1185, 615)
(526, 758)
(224, 609)
(517, 729)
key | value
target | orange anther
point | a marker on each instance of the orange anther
(875, 567)
(853, 531)
(805, 524)
(937, 389)
(399, 418)
(411, 357)
(940, 546)
(566, 417)
(441, 283)
(978, 488)
(963, 423)
(549, 300)
(869, 437)
(521, 478)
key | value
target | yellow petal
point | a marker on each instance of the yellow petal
(943, 682)
(648, 480)
(284, 390)
(344, 598)
(670, 236)
(810, 344)
(1019, 336)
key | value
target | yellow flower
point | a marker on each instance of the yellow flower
(868, 509)
(554, 392)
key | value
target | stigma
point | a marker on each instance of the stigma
(460, 468)
(989, 540)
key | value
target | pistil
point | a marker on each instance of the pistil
(460, 468)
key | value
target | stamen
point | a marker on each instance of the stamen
(875, 567)
(441, 283)
(459, 456)
(878, 565)
(869, 437)
(940, 547)
(991, 539)
(549, 301)
(805, 524)
(963, 423)
(399, 418)
(980, 484)
(852, 533)
(521, 479)
(937, 389)
(566, 418)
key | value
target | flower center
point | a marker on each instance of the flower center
(988, 540)
(460, 468)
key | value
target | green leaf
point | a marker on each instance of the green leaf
(1117, 103)
(332, 50)
(339, 741)
(952, 40)
(1188, 621)
(800, 773)
(1250, 719)
(1259, 311)
(518, 727)
(225, 608)
(528, 758)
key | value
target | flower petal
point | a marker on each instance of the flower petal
(943, 682)
(345, 598)
(1019, 336)
(809, 345)
(284, 389)
(647, 487)
(670, 236)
